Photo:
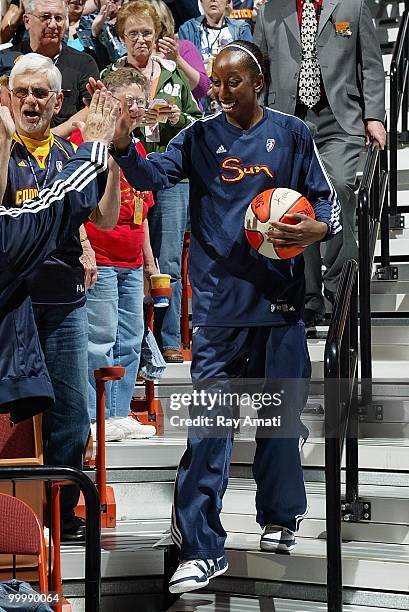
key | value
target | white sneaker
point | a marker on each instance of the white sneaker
(192, 575)
(112, 433)
(134, 429)
(277, 539)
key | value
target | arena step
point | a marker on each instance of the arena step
(221, 602)
(165, 452)
(149, 504)
(367, 565)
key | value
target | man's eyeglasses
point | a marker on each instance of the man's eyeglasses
(40, 93)
(47, 18)
(134, 35)
(140, 102)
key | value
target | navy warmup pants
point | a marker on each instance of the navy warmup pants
(226, 353)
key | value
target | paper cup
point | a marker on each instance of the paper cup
(161, 290)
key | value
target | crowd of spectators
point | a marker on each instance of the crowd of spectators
(157, 56)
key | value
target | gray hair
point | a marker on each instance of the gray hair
(30, 6)
(34, 63)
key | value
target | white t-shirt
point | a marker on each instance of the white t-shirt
(212, 42)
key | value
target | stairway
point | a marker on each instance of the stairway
(375, 551)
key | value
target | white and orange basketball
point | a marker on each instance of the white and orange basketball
(273, 205)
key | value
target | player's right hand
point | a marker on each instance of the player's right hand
(103, 113)
(7, 127)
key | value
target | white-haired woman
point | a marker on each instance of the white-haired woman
(139, 27)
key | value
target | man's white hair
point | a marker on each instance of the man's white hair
(30, 6)
(34, 63)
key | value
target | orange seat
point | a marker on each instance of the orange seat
(21, 533)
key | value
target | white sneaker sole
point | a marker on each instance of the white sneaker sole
(137, 436)
(277, 548)
(186, 586)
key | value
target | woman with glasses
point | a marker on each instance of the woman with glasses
(115, 304)
(183, 52)
(139, 27)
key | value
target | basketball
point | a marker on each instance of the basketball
(272, 205)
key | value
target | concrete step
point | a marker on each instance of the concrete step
(388, 364)
(165, 452)
(125, 552)
(141, 504)
(221, 602)
(365, 565)
(393, 303)
(397, 247)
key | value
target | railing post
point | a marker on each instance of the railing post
(351, 450)
(393, 142)
(333, 496)
(365, 270)
(385, 247)
(404, 136)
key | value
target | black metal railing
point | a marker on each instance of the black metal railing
(372, 218)
(398, 107)
(93, 524)
(341, 423)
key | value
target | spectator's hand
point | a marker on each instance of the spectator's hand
(169, 47)
(99, 20)
(305, 232)
(174, 114)
(375, 132)
(7, 127)
(90, 265)
(93, 85)
(150, 118)
(104, 111)
(149, 268)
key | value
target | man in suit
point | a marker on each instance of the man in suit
(326, 68)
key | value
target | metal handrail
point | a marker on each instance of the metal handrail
(372, 217)
(398, 101)
(92, 525)
(341, 421)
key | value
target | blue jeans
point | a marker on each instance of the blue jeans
(63, 333)
(167, 224)
(115, 331)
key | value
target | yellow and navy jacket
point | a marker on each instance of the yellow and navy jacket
(243, 10)
(28, 235)
(232, 284)
(60, 279)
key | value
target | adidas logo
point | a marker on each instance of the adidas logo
(22, 163)
(221, 149)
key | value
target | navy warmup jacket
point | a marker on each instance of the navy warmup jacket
(28, 235)
(234, 286)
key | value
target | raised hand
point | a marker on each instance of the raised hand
(103, 113)
(7, 127)
(99, 20)
(169, 47)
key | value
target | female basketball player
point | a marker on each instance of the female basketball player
(247, 309)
